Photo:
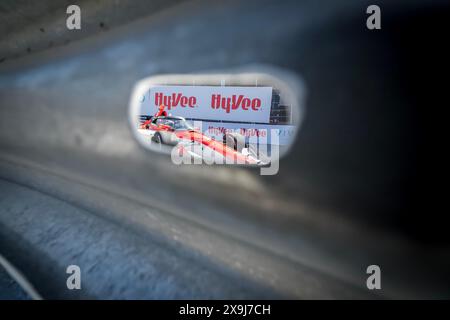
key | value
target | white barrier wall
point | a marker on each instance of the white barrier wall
(246, 104)
(262, 132)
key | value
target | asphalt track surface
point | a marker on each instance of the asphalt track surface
(10, 289)
(140, 243)
(162, 253)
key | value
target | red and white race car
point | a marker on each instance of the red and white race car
(176, 131)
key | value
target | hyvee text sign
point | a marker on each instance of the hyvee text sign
(249, 104)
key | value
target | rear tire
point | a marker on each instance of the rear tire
(235, 141)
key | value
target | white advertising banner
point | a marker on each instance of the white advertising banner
(247, 104)
(252, 132)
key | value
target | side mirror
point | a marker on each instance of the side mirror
(261, 106)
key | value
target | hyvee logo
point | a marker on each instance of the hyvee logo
(175, 99)
(235, 102)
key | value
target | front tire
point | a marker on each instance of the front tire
(157, 140)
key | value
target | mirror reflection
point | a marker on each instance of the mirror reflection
(248, 119)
